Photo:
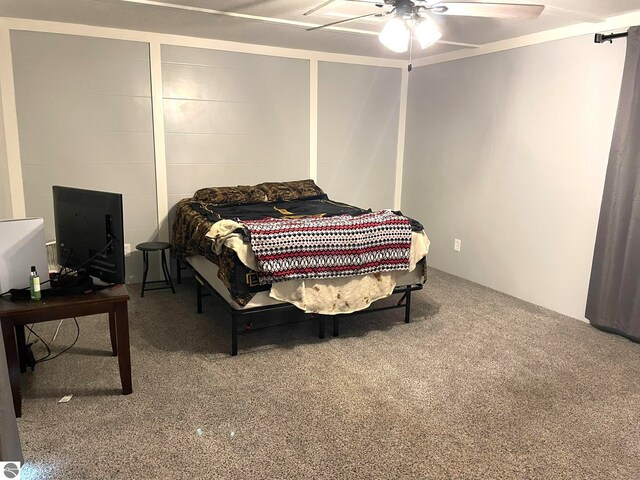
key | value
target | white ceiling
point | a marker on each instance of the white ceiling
(282, 23)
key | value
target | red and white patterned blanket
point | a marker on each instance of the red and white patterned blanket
(338, 246)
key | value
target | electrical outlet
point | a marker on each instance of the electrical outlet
(127, 249)
(457, 243)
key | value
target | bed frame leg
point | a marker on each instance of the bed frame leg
(407, 306)
(199, 296)
(234, 335)
(336, 325)
(178, 270)
(321, 326)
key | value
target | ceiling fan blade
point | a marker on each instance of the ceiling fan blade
(498, 10)
(318, 7)
(345, 20)
(377, 3)
(573, 14)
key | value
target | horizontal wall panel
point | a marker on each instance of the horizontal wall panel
(341, 181)
(40, 204)
(44, 46)
(358, 118)
(372, 148)
(83, 112)
(233, 118)
(246, 62)
(373, 120)
(227, 149)
(82, 148)
(93, 75)
(139, 178)
(189, 178)
(141, 211)
(199, 82)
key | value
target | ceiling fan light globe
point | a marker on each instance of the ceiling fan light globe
(427, 32)
(395, 35)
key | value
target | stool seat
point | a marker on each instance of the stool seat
(147, 247)
(152, 246)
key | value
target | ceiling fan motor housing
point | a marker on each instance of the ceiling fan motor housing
(405, 9)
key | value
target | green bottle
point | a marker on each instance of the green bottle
(34, 284)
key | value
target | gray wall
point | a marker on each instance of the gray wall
(233, 118)
(358, 111)
(508, 152)
(5, 194)
(84, 120)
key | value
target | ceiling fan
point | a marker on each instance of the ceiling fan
(412, 17)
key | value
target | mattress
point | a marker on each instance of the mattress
(224, 271)
(209, 271)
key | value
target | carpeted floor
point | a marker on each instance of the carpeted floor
(479, 385)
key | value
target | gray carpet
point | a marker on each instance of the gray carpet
(479, 385)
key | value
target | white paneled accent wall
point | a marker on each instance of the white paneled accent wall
(233, 118)
(508, 153)
(358, 113)
(85, 121)
(5, 193)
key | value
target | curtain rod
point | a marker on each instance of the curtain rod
(601, 38)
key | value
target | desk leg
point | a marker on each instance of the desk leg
(124, 358)
(22, 346)
(10, 346)
(112, 332)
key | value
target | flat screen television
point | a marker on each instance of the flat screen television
(90, 232)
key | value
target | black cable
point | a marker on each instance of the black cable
(24, 288)
(43, 342)
(46, 359)
(63, 267)
(48, 356)
(87, 261)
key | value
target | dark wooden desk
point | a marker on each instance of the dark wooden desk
(113, 300)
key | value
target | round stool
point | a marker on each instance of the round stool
(147, 247)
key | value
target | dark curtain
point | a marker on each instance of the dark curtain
(613, 302)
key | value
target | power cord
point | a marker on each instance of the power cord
(106, 247)
(48, 356)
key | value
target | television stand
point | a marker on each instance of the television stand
(14, 315)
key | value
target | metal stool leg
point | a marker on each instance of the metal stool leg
(145, 260)
(165, 270)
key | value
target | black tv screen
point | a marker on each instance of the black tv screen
(90, 232)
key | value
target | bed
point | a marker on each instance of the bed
(240, 243)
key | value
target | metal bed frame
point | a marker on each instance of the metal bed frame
(235, 315)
